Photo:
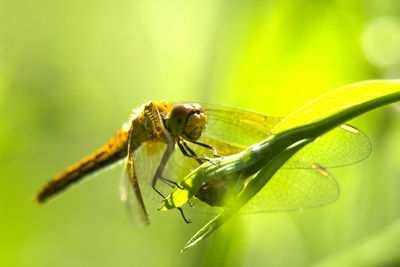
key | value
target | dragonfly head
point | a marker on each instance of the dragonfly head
(187, 120)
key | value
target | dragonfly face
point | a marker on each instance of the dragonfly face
(187, 121)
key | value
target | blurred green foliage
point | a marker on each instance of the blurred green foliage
(71, 72)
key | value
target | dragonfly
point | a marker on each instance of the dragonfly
(149, 140)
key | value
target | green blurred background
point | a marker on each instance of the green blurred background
(71, 72)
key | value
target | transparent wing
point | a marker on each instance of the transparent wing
(131, 195)
(230, 130)
(233, 129)
(342, 146)
(290, 190)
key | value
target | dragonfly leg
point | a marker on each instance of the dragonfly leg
(189, 152)
(171, 183)
(158, 191)
(185, 153)
(158, 174)
(162, 165)
(215, 153)
(183, 216)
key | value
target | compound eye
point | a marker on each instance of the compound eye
(181, 111)
(178, 118)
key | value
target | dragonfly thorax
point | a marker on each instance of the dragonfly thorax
(187, 121)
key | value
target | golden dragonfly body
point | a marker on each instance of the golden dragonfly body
(157, 122)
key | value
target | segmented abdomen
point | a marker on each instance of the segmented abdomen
(113, 151)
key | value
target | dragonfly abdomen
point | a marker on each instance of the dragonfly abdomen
(113, 151)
